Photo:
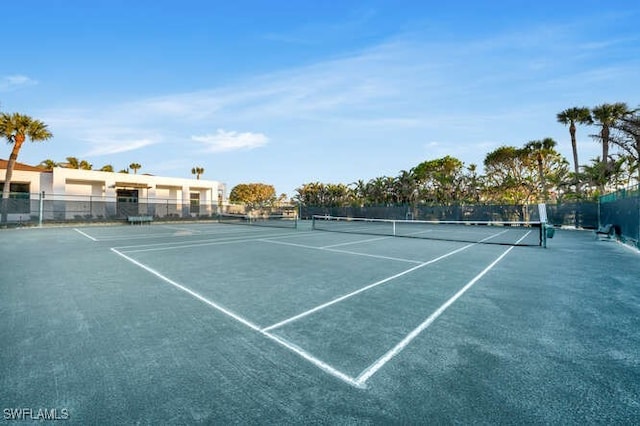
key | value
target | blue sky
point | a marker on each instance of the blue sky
(290, 92)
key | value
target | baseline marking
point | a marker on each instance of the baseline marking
(188, 291)
(373, 368)
(302, 353)
(315, 361)
(85, 234)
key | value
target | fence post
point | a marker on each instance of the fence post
(41, 209)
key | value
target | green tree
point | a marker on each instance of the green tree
(197, 171)
(571, 116)
(16, 129)
(135, 167)
(359, 192)
(253, 194)
(508, 175)
(440, 180)
(406, 187)
(107, 168)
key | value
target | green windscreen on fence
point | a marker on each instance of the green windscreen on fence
(622, 208)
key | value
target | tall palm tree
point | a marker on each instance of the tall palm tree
(135, 167)
(571, 116)
(16, 128)
(606, 115)
(197, 171)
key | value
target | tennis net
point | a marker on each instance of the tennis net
(503, 233)
(271, 220)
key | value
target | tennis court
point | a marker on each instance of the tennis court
(187, 323)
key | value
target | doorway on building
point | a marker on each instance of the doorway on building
(127, 202)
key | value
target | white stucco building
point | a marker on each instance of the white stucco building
(90, 194)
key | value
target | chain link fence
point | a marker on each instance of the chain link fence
(35, 209)
(622, 210)
(579, 215)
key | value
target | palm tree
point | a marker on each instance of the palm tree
(75, 163)
(571, 116)
(606, 115)
(540, 150)
(16, 128)
(197, 171)
(72, 163)
(135, 167)
(107, 168)
(48, 164)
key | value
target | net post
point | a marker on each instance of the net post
(542, 211)
(41, 209)
(394, 228)
(313, 221)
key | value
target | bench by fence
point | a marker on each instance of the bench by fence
(139, 219)
(608, 231)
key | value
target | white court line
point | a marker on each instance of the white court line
(188, 291)
(354, 253)
(315, 361)
(166, 234)
(304, 354)
(202, 243)
(177, 228)
(373, 368)
(85, 234)
(370, 286)
(355, 242)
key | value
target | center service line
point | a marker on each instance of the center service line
(373, 368)
(377, 283)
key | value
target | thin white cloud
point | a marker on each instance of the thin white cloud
(117, 147)
(223, 140)
(13, 82)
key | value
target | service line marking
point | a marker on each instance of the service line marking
(288, 345)
(85, 234)
(200, 243)
(356, 242)
(354, 253)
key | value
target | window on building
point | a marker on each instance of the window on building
(194, 205)
(18, 197)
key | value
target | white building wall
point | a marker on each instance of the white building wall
(66, 189)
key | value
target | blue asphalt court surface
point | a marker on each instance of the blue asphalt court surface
(184, 323)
